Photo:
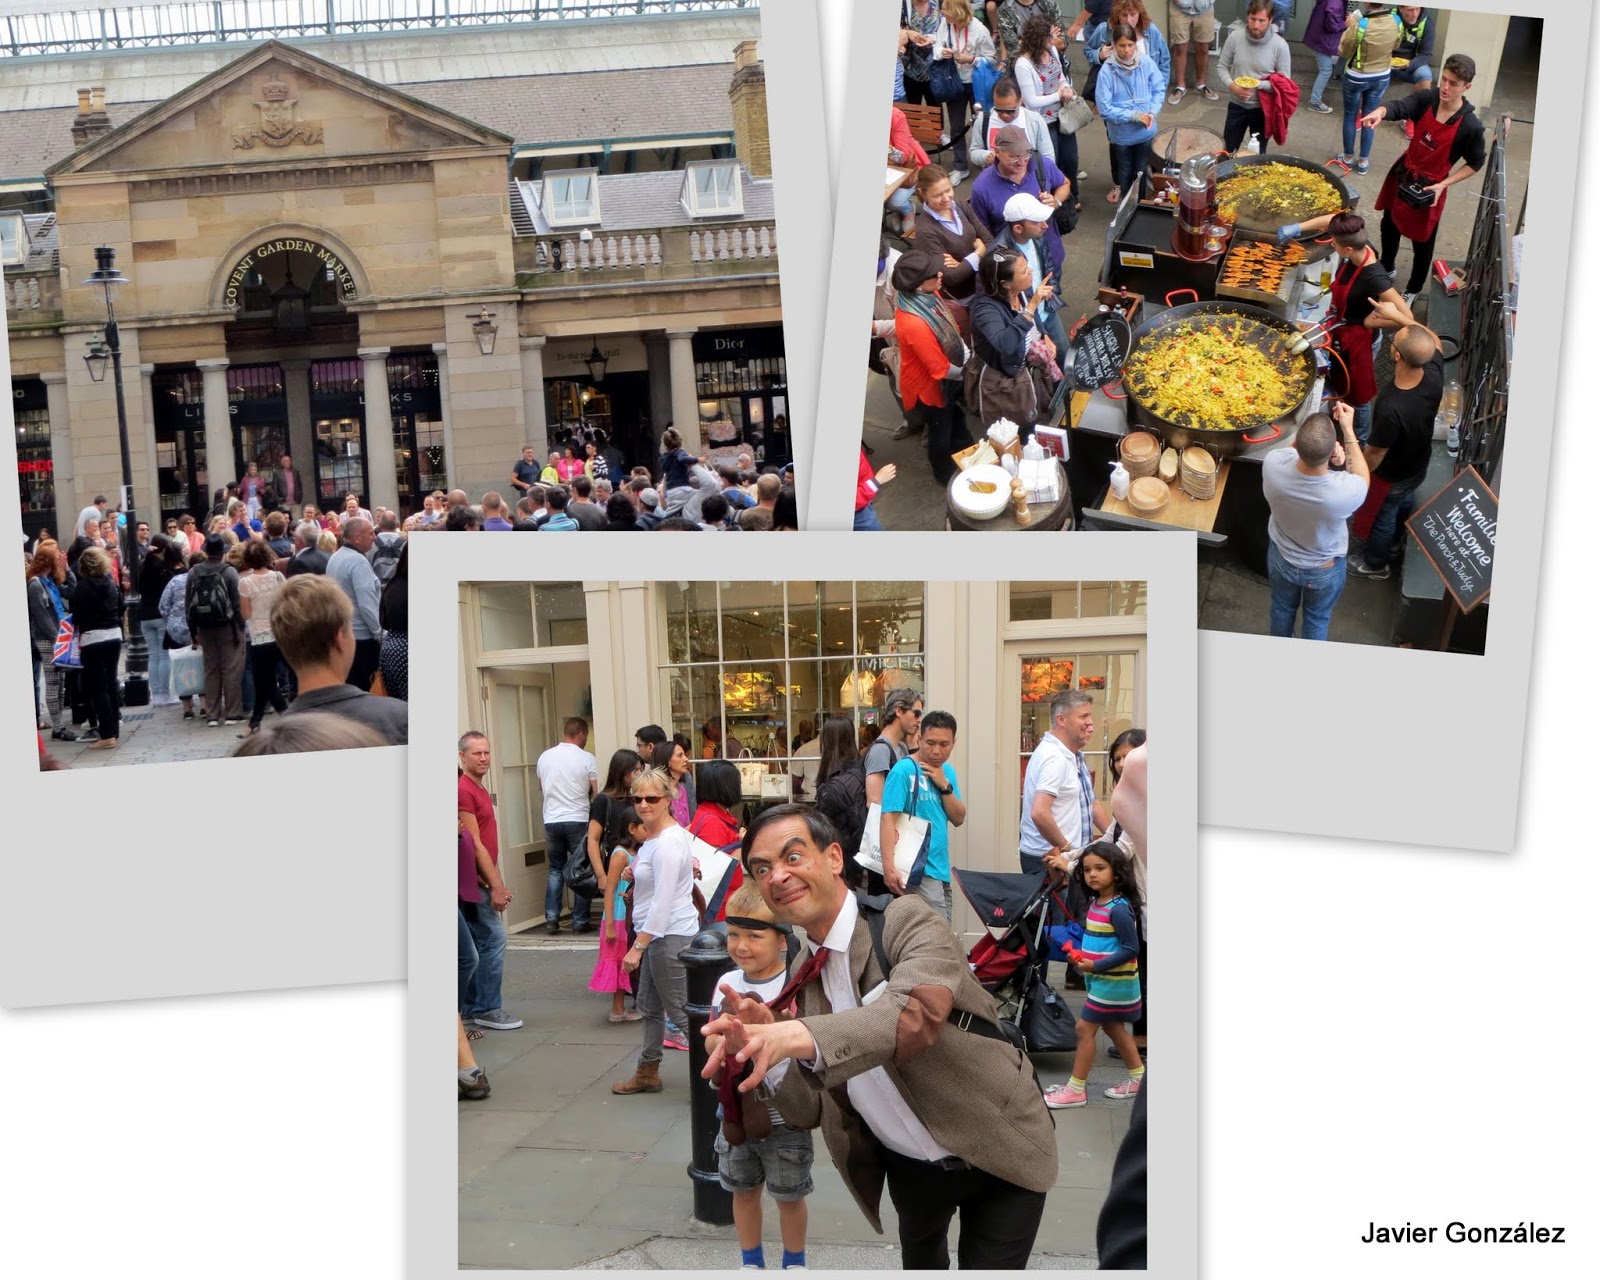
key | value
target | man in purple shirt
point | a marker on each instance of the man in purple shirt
(1017, 169)
(494, 512)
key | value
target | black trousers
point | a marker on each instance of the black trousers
(264, 670)
(946, 435)
(917, 92)
(365, 665)
(1422, 260)
(1242, 120)
(100, 679)
(999, 1219)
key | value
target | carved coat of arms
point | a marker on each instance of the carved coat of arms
(277, 127)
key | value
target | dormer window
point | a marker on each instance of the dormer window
(13, 240)
(712, 189)
(572, 197)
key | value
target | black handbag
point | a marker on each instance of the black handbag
(578, 875)
(1065, 217)
(944, 81)
(1045, 1022)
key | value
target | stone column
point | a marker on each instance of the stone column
(302, 436)
(441, 354)
(382, 490)
(536, 427)
(149, 504)
(68, 500)
(219, 426)
(685, 403)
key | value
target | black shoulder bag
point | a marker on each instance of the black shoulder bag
(1065, 217)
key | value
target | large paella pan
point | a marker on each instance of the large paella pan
(1263, 193)
(1220, 375)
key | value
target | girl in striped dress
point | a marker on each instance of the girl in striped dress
(1109, 961)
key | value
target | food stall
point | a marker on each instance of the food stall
(1196, 339)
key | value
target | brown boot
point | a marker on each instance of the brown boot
(646, 1079)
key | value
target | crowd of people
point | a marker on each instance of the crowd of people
(969, 326)
(814, 940)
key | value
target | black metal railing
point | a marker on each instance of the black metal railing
(1489, 322)
(221, 21)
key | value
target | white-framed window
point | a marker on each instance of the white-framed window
(572, 197)
(712, 189)
(13, 240)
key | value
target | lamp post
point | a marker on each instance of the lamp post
(136, 659)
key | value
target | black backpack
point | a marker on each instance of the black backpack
(210, 604)
(385, 558)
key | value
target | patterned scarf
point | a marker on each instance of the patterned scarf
(931, 308)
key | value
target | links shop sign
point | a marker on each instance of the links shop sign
(268, 249)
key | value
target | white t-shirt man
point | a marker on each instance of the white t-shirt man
(565, 772)
(1054, 769)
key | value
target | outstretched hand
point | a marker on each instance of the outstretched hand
(751, 1034)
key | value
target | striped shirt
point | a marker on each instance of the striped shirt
(1109, 939)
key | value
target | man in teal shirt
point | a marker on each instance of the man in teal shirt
(924, 785)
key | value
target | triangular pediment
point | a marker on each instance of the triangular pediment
(275, 105)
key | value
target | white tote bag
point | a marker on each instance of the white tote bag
(188, 672)
(910, 832)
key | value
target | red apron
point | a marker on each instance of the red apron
(1426, 160)
(1354, 344)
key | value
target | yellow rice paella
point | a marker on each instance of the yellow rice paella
(1212, 375)
(1279, 193)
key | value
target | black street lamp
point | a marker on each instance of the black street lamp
(136, 689)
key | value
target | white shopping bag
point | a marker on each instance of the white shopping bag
(188, 673)
(911, 832)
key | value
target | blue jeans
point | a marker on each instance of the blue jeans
(900, 201)
(487, 932)
(1325, 64)
(155, 631)
(1363, 422)
(1362, 94)
(466, 957)
(563, 840)
(1128, 162)
(1397, 507)
(867, 520)
(1312, 591)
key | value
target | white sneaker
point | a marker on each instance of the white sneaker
(944, 139)
(957, 177)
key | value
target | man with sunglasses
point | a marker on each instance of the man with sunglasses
(1007, 111)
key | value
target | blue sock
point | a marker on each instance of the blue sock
(794, 1259)
(753, 1257)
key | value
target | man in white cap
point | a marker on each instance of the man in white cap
(1027, 219)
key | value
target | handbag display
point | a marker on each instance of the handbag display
(775, 786)
(751, 772)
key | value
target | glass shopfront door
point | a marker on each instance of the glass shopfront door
(180, 420)
(339, 428)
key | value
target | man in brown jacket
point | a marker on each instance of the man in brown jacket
(906, 1072)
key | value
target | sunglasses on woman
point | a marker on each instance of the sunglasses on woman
(648, 799)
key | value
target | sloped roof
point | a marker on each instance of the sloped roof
(44, 253)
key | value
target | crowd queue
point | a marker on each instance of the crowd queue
(905, 1069)
(969, 327)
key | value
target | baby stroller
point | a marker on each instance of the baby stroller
(1014, 966)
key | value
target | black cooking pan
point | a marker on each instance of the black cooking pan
(1229, 167)
(1257, 327)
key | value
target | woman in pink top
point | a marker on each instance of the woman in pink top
(569, 467)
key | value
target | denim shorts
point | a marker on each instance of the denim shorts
(782, 1161)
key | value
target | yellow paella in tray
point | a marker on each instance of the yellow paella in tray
(1212, 374)
(1270, 195)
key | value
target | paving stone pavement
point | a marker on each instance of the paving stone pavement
(152, 735)
(557, 1172)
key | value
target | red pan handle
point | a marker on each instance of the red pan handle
(1277, 432)
(1178, 293)
(1112, 394)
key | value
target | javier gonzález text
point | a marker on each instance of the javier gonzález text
(1462, 1233)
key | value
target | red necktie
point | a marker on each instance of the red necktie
(787, 999)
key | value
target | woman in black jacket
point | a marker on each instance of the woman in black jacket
(842, 791)
(393, 616)
(97, 614)
(1005, 311)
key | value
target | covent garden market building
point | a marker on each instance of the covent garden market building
(397, 254)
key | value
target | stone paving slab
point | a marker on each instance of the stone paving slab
(556, 1171)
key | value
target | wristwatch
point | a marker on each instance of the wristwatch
(944, 791)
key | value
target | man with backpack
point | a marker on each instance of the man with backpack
(386, 547)
(211, 603)
(904, 1068)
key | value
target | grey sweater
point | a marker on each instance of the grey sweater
(1242, 56)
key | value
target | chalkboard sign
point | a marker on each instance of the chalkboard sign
(1100, 349)
(1456, 528)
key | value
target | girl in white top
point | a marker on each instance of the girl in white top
(1046, 86)
(665, 917)
(258, 584)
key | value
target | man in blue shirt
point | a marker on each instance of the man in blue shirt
(1017, 170)
(924, 785)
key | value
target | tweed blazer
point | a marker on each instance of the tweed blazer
(976, 1096)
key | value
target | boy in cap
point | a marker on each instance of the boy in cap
(755, 1146)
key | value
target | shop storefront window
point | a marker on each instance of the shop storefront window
(259, 409)
(35, 467)
(180, 421)
(539, 616)
(1036, 601)
(339, 426)
(749, 678)
(1111, 680)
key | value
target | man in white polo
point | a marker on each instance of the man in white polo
(567, 776)
(1059, 811)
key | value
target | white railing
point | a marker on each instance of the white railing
(32, 293)
(693, 252)
(733, 244)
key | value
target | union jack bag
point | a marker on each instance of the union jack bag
(65, 653)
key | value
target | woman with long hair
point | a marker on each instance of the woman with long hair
(673, 760)
(1129, 94)
(964, 40)
(48, 596)
(666, 921)
(842, 790)
(97, 613)
(607, 807)
(394, 616)
(1046, 85)
(1006, 330)
(258, 584)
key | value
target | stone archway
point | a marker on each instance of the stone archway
(263, 245)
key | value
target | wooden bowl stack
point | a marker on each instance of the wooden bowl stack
(1141, 453)
(1197, 473)
(1148, 496)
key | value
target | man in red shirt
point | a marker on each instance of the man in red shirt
(482, 933)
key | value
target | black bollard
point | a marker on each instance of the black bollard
(705, 960)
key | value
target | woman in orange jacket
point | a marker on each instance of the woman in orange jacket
(931, 353)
